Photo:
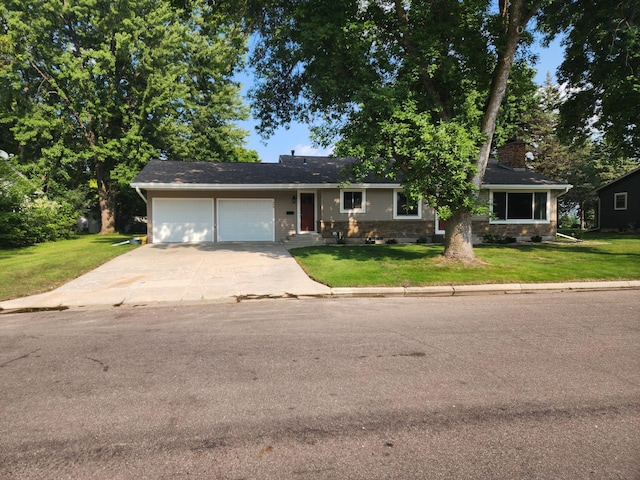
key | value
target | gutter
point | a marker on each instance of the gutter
(258, 186)
(530, 187)
(566, 189)
(141, 195)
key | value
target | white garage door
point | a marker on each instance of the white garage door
(182, 220)
(246, 220)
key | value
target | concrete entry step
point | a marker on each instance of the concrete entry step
(303, 240)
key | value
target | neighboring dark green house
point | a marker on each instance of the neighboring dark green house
(619, 203)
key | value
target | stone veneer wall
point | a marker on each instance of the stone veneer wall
(358, 231)
(519, 231)
(363, 229)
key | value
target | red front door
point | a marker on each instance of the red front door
(307, 212)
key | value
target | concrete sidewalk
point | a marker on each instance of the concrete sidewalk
(231, 272)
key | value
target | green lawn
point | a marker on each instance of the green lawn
(43, 267)
(37, 269)
(598, 257)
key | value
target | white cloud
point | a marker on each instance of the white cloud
(311, 151)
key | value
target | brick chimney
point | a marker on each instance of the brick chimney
(513, 154)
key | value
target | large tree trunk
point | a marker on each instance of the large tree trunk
(459, 245)
(106, 198)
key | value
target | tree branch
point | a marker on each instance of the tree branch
(406, 40)
(517, 20)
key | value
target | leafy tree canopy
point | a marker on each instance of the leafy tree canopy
(412, 88)
(601, 69)
(343, 60)
(100, 87)
(586, 166)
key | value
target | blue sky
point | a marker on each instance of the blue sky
(297, 136)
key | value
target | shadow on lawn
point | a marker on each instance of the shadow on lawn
(7, 253)
(365, 253)
(110, 239)
(12, 252)
(584, 248)
(408, 252)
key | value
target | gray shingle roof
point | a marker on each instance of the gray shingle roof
(296, 170)
(497, 174)
(290, 171)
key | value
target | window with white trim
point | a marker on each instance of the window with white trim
(404, 207)
(620, 201)
(439, 225)
(520, 207)
(353, 201)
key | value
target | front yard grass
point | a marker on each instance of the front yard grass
(43, 267)
(598, 257)
(40, 268)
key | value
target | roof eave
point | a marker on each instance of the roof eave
(532, 186)
(632, 172)
(257, 186)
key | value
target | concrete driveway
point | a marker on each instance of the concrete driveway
(182, 273)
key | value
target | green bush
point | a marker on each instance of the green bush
(51, 220)
(488, 238)
(26, 221)
(12, 224)
(499, 239)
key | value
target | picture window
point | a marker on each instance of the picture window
(520, 206)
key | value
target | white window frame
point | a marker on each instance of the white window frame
(353, 210)
(396, 216)
(615, 200)
(530, 221)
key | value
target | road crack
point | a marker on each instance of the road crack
(19, 358)
(105, 367)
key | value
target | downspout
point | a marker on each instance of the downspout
(141, 195)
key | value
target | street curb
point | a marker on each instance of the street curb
(368, 292)
(25, 305)
(486, 289)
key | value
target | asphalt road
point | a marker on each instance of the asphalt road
(542, 386)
